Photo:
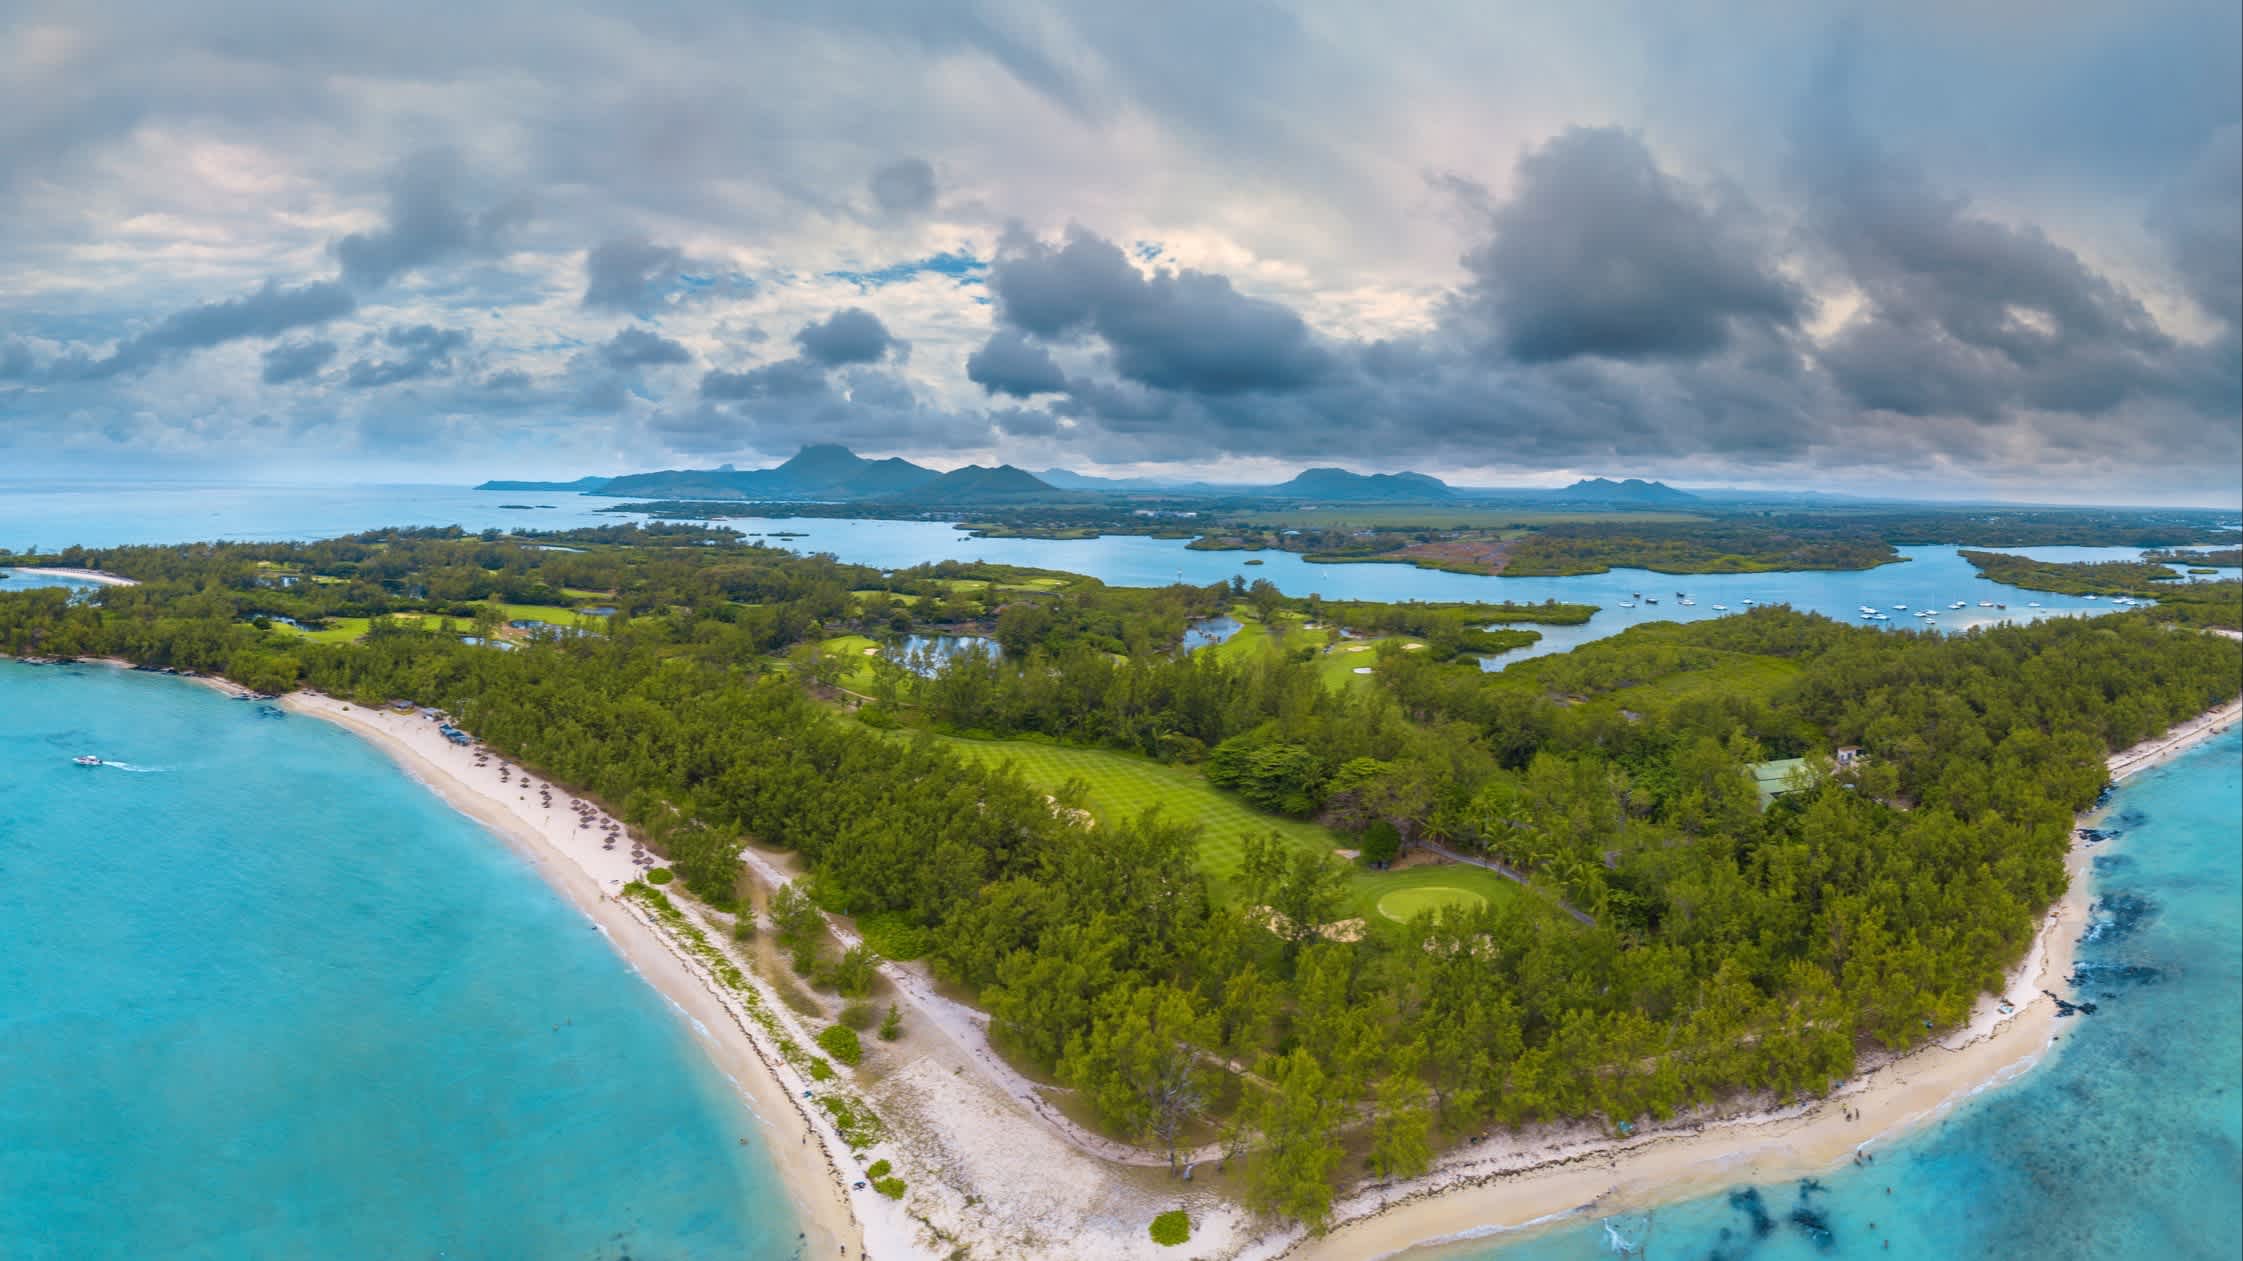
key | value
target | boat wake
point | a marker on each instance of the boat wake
(137, 770)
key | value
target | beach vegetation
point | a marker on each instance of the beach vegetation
(855, 971)
(858, 1015)
(840, 1042)
(1172, 1228)
(658, 876)
(891, 1025)
(878, 1169)
(893, 1188)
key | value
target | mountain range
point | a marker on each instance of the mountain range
(827, 472)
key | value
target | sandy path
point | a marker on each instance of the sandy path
(572, 861)
(967, 1029)
(1531, 1180)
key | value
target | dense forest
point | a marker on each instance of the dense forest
(1726, 947)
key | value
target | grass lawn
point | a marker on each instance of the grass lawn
(1336, 668)
(854, 650)
(585, 593)
(1397, 895)
(340, 630)
(1122, 785)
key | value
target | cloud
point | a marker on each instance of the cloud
(1599, 252)
(630, 274)
(905, 186)
(428, 222)
(2199, 215)
(1962, 315)
(852, 335)
(269, 312)
(1011, 364)
(428, 351)
(295, 361)
(1177, 330)
(639, 348)
(787, 378)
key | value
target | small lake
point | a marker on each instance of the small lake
(927, 654)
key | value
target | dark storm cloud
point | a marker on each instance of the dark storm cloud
(2200, 217)
(429, 221)
(1173, 330)
(1599, 252)
(295, 361)
(905, 186)
(269, 312)
(1011, 364)
(852, 335)
(639, 348)
(1961, 315)
(425, 351)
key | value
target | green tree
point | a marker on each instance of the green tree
(1290, 1173)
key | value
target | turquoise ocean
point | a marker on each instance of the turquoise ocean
(263, 995)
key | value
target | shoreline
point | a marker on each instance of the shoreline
(1514, 1184)
(96, 576)
(1528, 1186)
(573, 865)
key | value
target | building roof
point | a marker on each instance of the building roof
(1773, 779)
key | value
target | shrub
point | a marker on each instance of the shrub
(892, 935)
(890, 1187)
(891, 1027)
(853, 974)
(878, 1169)
(820, 1071)
(804, 959)
(1381, 842)
(1171, 1228)
(659, 875)
(840, 1042)
(858, 1016)
(743, 928)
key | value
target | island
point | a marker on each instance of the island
(1246, 919)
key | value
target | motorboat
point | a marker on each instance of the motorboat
(1721, 608)
(1627, 604)
(1985, 604)
(86, 759)
(1690, 604)
(2032, 604)
(1899, 607)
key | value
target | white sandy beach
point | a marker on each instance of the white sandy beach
(84, 575)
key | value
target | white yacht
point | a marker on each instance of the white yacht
(1721, 608)
(86, 759)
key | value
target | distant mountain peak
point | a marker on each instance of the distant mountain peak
(1633, 490)
(1338, 483)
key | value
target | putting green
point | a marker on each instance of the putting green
(1402, 904)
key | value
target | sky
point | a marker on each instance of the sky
(1980, 250)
